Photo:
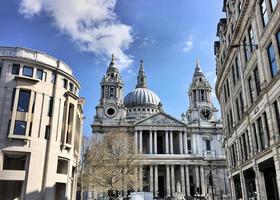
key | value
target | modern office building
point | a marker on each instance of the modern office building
(41, 121)
(248, 89)
(185, 151)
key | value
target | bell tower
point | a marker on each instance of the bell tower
(201, 110)
(110, 108)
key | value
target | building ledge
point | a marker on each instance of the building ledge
(13, 175)
(22, 137)
(26, 78)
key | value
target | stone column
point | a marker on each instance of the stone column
(168, 180)
(151, 179)
(155, 142)
(258, 139)
(136, 141)
(151, 142)
(141, 178)
(156, 180)
(183, 180)
(197, 182)
(277, 167)
(181, 142)
(166, 143)
(202, 178)
(243, 185)
(141, 140)
(266, 142)
(171, 142)
(188, 193)
(185, 143)
(172, 180)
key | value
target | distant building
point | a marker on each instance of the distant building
(40, 126)
(248, 88)
(174, 150)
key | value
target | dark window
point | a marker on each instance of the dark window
(23, 101)
(257, 81)
(20, 127)
(71, 87)
(228, 91)
(39, 74)
(65, 83)
(189, 146)
(241, 103)
(233, 74)
(264, 12)
(13, 98)
(277, 115)
(266, 127)
(14, 161)
(208, 145)
(251, 89)
(247, 50)
(237, 109)
(50, 106)
(27, 71)
(47, 132)
(30, 129)
(15, 69)
(261, 132)
(272, 60)
(278, 40)
(237, 67)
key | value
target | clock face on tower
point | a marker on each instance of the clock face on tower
(205, 113)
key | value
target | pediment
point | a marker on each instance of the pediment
(160, 119)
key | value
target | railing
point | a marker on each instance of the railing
(36, 56)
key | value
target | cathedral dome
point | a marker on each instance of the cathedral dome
(141, 97)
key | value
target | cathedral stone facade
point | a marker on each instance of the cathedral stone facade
(187, 151)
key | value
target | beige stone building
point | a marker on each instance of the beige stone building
(40, 126)
(248, 88)
(186, 151)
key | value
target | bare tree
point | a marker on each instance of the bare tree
(111, 164)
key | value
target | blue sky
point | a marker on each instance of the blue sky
(167, 35)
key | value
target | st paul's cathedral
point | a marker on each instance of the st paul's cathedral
(188, 151)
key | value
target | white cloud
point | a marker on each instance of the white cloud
(91, 24)
(188, 46)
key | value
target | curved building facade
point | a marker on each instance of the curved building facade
(248, 88)
(41, 120)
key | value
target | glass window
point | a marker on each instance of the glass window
(257, 81)
(233, 74)
(237, 109)
(247, 50)
(273, 4)
(15, 69)
(20, 127)
(65, 83)
(237, 67)
(13, 98)
(277, 115)
(272, 60)
(251, 89)
(27, 71)
(50, 106)
(208, 145)
(241, 103)
(251, 38)
(39, 74)
(264, 12)
(23, 101)
(0, 70)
